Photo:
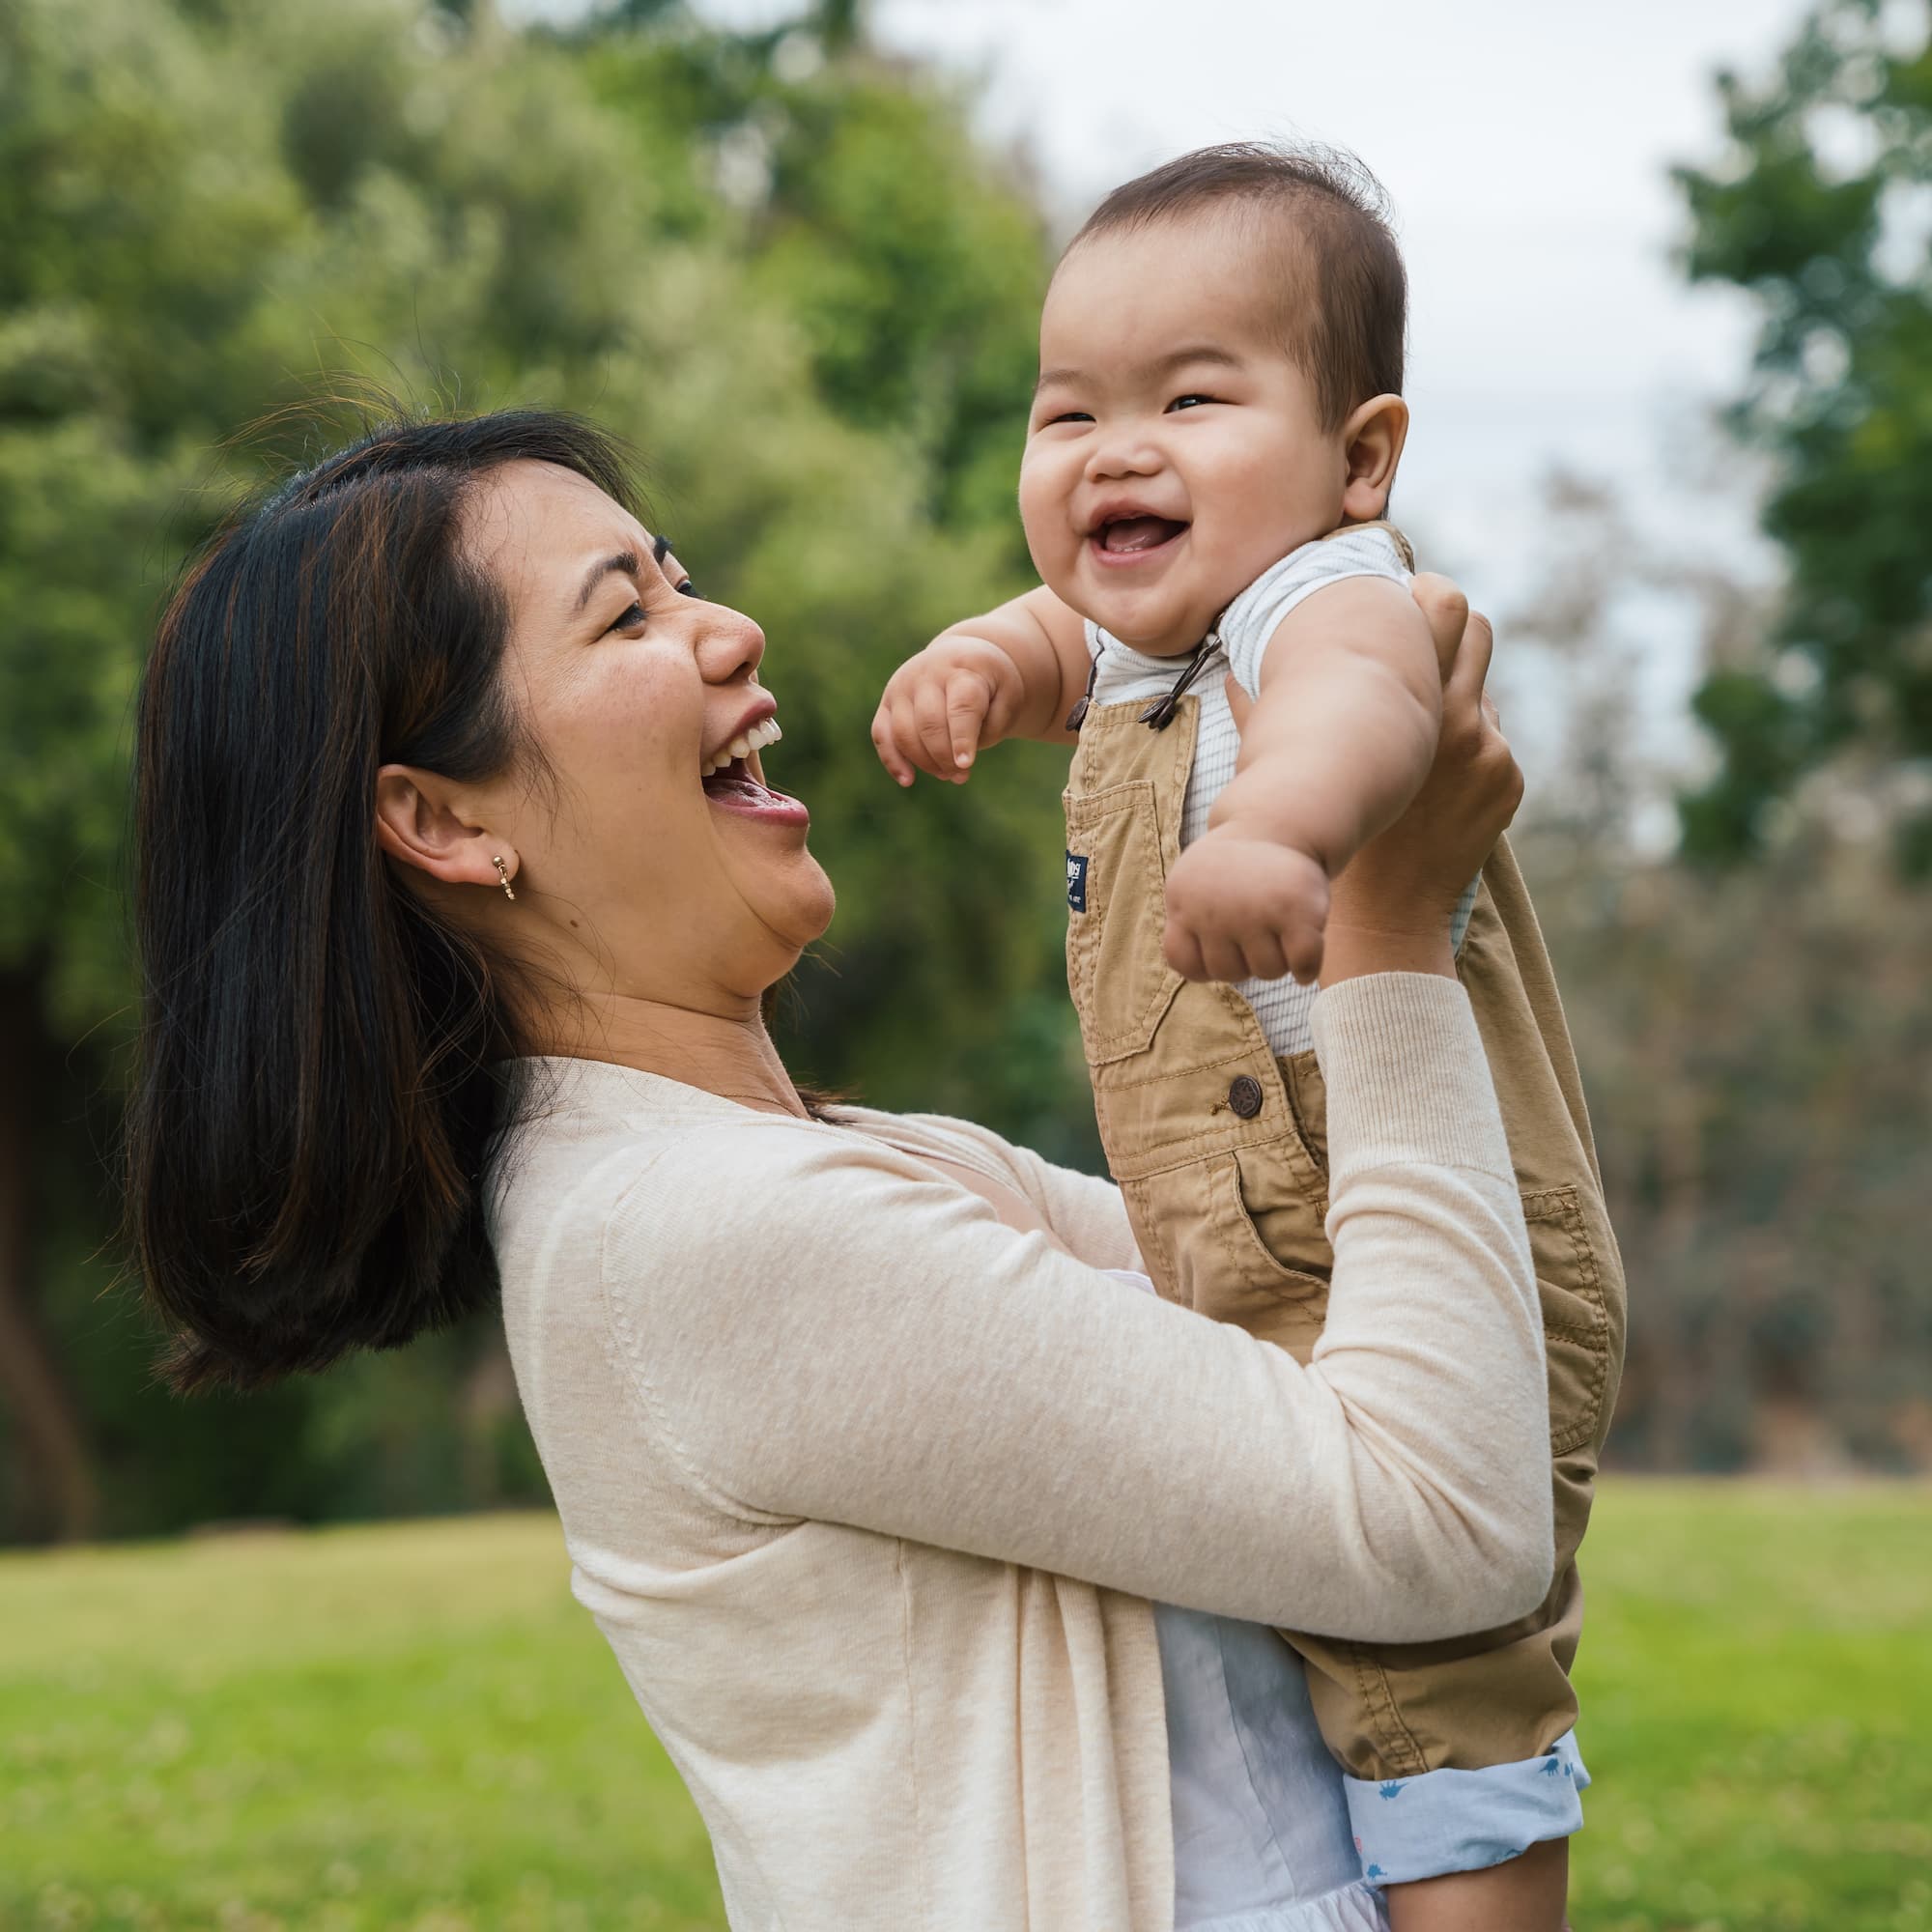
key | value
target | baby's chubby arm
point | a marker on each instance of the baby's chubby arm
(1338, 743)
(1014, 673)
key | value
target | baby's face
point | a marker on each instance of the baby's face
(1174, 451)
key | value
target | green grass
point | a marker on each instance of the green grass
(413, 1726)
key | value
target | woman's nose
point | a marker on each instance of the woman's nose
(732, 645)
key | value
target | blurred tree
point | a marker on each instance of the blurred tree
(1822, 209)
(221, 210)
(853, 184)
(1757, 1050)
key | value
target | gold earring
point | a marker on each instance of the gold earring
(502, 878)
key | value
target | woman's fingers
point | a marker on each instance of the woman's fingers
(1447, 611)
(1472, 669)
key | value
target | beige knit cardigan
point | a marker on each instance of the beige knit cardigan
(868, 1492)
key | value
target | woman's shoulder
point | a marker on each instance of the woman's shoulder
(964, 1142)
(618, 1150)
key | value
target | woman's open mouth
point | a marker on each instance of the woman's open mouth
(1124, 542)
(734, 781)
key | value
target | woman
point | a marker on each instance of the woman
(459, 893)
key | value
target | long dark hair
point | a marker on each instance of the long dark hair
(319, 1075)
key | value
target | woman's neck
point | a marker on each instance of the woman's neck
(728, 1054)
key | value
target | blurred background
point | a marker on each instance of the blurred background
(1673, 382)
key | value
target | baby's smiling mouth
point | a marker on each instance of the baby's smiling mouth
(1124, 536)
(1120, 540)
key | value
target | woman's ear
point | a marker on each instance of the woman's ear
(1371, 441)
(418, 821)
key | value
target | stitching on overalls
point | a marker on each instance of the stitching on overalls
(1083, 941)
(1560, 1207)
(1398, 1742)
(1238, 1059)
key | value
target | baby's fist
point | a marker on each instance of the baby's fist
(1243, 908)
(943, 707)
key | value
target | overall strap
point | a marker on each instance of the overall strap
(1161, 714)
(1077, 716)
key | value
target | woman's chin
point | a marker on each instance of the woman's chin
(797, 904)
(817, 903)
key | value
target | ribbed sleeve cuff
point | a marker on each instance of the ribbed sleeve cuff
(1450, 1821)
(1407, 1081)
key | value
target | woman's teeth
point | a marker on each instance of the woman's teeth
(743, 746)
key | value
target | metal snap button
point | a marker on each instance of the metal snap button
(1244, 1095)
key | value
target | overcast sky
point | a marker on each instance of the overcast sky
(1525, 145)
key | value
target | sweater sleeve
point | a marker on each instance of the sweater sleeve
(822, 1328)
(1085, 1212)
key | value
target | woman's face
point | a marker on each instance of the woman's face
(656, 882)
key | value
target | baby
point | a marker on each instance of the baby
(1214, 440)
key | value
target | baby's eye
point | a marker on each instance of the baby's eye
(1068, 417)
(1191, 401)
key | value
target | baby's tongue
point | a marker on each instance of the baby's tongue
(1137, 532)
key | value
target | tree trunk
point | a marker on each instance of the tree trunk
(59, 1499)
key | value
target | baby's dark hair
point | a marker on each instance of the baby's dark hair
(1345, 293)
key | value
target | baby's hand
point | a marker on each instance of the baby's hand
(955, 698)
(1244, 908)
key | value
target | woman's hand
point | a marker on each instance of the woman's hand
(1392, 907)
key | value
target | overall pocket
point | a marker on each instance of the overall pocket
(1271, 1220)
(1242, 1277)
(1120, 984)
(1577, 1338)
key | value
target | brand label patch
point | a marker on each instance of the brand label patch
(1076, 882)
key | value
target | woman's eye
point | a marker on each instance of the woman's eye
(631, 620)
(688, 588)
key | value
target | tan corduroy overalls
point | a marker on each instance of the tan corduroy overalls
(1221, 1152)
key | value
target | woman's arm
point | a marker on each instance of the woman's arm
(833, 1333)
(835, 1336)
(1085, 1214)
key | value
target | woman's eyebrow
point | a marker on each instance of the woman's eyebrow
(626, 562)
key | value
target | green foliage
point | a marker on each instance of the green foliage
(239, 204)
(236, 213)
(416, 1727)
(871, 219)
(1823, 211)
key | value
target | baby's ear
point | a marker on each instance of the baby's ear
(1371, 441)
